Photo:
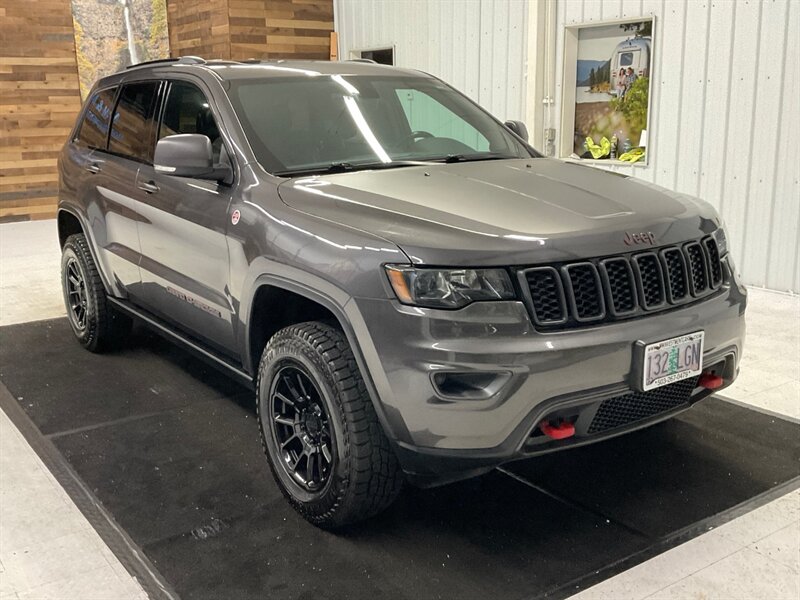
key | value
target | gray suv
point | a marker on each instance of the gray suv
(413, 291)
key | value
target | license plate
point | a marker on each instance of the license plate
(672, 360)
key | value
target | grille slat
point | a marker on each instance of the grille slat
(649, 280)
(675, 274)
(619, 287)
(633, 407)
(585, 294)
(545, 285)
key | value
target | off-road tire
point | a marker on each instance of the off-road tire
(104, 328)
(366, 477)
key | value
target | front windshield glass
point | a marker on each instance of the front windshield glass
(305, 124)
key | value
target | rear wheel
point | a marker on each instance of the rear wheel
(96, 325)
(325, 446)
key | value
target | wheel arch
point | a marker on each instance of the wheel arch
(70, 222)
(252, 348)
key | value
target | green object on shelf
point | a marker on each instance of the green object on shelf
(601, 150)
(632, 155)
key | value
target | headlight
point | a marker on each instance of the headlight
(449, 288)
(721, 240)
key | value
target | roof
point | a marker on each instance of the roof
(259, 69)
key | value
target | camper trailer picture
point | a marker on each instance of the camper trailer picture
(633, 54)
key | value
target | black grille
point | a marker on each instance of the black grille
(675, 274)
(545, 285)
(697, 267)
(715, 266)
(619, 287)
(585, 293)
(633, 407)
(651, 282)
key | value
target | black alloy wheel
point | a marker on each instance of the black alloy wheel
(301, 427)
(75, 286)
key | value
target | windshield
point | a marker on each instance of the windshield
(320, 123)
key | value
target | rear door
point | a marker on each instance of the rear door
(101, 188)
(182, 230)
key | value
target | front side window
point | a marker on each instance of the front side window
(300, 124)
(132, 124)
(188, 111)
(94, 127)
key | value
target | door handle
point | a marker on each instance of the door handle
(148, 186)
(93, 167)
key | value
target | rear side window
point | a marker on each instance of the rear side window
(94, 127)
(187, 111)
(133, 122)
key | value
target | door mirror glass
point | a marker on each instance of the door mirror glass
(188, 155)
(519, 128)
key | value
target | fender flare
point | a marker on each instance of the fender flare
(87, 231)
(394, 428)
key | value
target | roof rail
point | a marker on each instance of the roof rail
(183, 60)
(363, 60)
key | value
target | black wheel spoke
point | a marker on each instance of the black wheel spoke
(75, 288)
(301, 428)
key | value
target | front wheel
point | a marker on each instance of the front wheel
(325, 446)
(96, 325)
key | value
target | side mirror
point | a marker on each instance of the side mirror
(188, 155)
(519, 128)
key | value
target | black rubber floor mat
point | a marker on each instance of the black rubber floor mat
(171, 450)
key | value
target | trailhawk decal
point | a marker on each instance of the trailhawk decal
(194, 302)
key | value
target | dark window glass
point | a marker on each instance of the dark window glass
(297, 124)
(132, 125)
(626, 59)
(383, 56)
(94, 127)
(188, 111)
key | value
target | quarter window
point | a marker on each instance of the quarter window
(132, 124)
(188, 111)
(94, 127)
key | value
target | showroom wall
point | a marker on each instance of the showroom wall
(724, 118)
(242, 29)
(475, 46)
(39, 90)
(39, 98)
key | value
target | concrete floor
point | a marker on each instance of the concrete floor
(49, 550)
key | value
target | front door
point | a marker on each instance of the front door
(182, 231)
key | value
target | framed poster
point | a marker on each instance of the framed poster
(112, 34)
(607, 89)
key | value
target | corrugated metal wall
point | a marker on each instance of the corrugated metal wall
(725, 118)
(725, 121)
(478, 46)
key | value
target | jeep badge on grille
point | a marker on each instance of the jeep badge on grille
(634, 239)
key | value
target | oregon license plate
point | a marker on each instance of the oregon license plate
(672, 360)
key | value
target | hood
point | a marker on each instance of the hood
(509, 212)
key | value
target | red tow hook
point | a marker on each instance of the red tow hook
(557, 432)
(710, 381)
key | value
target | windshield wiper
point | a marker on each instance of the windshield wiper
(455, 158)
(347, 167)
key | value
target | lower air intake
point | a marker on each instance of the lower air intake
(627, 409)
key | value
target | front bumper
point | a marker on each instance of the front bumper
(444, 436)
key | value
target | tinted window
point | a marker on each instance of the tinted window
(424, 114)
(132, 125)
(297, 124)
(94, 127)
(626, 59)
(188, 111)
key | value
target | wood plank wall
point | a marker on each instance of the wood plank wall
(39, 99)
(199, 28)
(39, 95)
(242, 29)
